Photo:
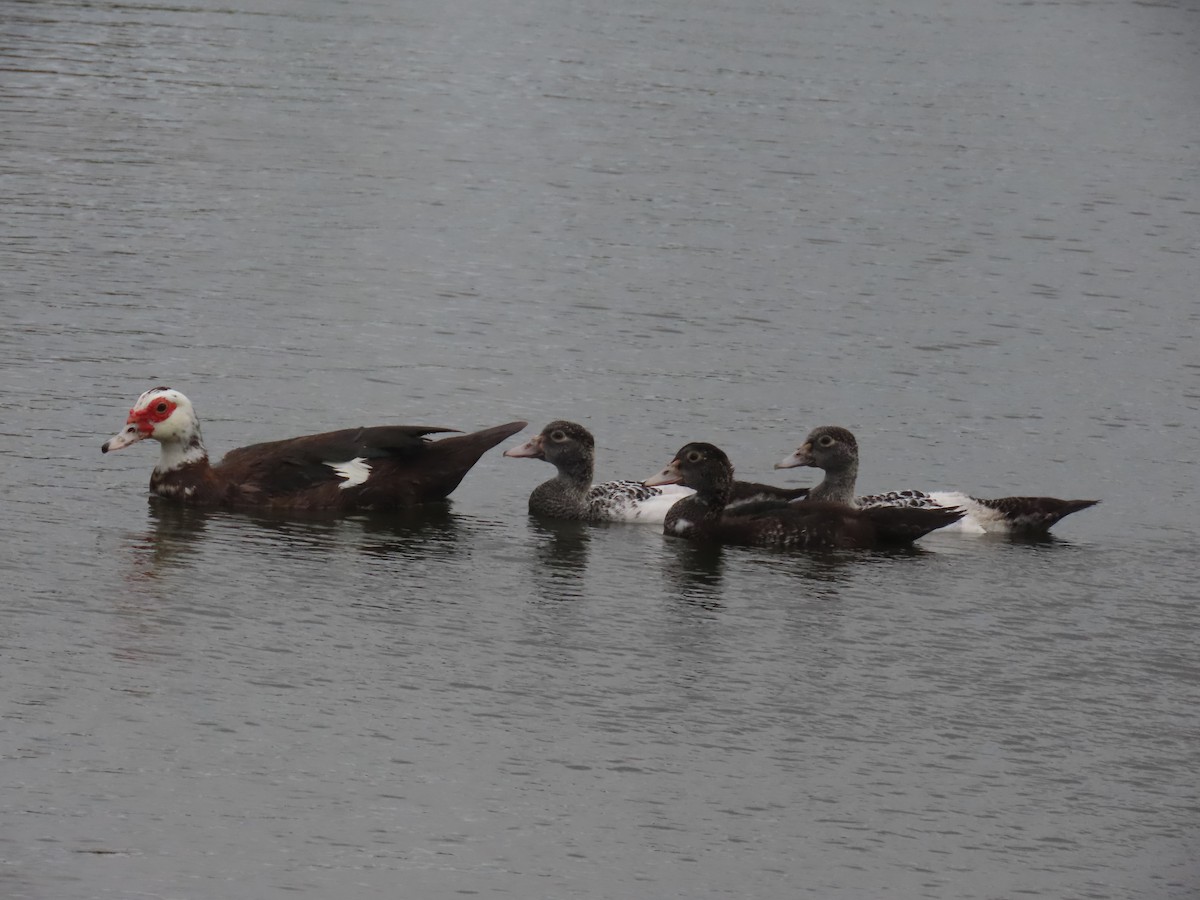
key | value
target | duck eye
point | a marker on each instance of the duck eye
(825, 441)
(693, 456)
(558, 437)
(161, 407)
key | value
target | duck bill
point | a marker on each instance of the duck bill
(130, 434)
(802, 457)
(531, 449)
(669, 475)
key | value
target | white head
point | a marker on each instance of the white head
(167, 416)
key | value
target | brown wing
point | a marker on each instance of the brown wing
(301, 464)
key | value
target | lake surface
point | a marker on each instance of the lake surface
(967, 231)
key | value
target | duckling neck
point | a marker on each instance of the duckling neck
(576, 471)
(563, 496)
(837, 486)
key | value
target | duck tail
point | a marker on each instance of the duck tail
(1034, 515)
(903, 525)
(457, 455)
(474, 445)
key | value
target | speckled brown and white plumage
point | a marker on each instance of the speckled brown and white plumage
(808, 525)
(570, 494)
(381, 468)
(835, 450)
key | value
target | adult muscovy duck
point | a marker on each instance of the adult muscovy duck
(570, 494)
(809, 524)
(835, 450)
(383, 468)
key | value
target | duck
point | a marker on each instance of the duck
(381, 468)
(705, 517)
(570, 494)
(835, 450)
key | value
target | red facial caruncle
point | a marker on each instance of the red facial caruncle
(150, 415)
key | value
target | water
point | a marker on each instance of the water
(964, 231)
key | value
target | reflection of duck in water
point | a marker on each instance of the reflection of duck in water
(154, 562)
(565, 548)
(835, 450)
(169, 542)
(383, 468)
(808, 525)
(559, 561)
(415, 532)
(570, 494)
(430, 529)
(696, 571)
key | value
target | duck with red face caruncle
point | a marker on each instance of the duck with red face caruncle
(380, 468)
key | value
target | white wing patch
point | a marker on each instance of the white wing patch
(355, 472)
(682, 525)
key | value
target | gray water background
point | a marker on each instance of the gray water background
(965, 230)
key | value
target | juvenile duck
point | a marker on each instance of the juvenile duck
(570, 494)
(835, 450)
